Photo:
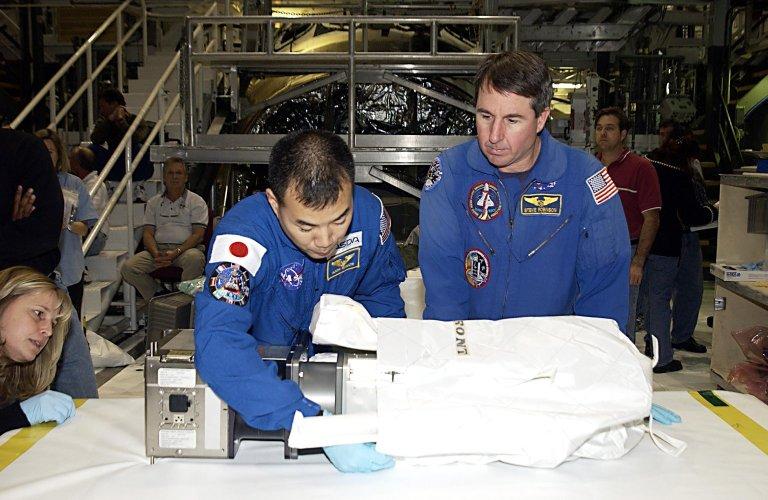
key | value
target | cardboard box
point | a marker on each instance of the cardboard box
(736, 272)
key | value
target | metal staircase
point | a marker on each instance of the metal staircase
(154, 97)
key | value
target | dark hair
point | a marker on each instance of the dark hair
(85, 158)
(614, 111)
(111, 94)
(517, 72)
(315, 163)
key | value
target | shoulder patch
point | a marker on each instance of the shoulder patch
(601, 186)
(238, 250)
(352, 240)
(385, 223)
(434, 174)
(230, 283)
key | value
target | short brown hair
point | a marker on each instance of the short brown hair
(614, 111)
(517, 72)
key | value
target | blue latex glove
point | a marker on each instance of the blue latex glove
(48, 406)
(664, 416)
(358, 458)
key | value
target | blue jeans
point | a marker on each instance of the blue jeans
(98, 244)
(689, 287)
(658, 285)
(634, 291)
(74, 373)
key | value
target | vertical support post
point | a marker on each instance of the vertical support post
(119, 36)
(365, 27)
(433, 38)
(201, 46)
(189, 89)
(129, 208)
(270, 37)
(144, 48)
(161, 96)
(89, 91)
(351, 104)
(234, 91)
(52, 105)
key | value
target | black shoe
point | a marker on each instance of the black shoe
(690, 345)
(672, 366)
(648, 351)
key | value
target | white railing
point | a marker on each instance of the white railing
(92, 73)
(125, 146)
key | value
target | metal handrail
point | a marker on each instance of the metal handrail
(730, 128)
(49, 88)
(125, 146)
(142, 112)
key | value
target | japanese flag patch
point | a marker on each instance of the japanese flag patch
(601, 186)
(240, 250)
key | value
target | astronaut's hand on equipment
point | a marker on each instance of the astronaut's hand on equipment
(361, 457)
(664, 416)
(48, 406)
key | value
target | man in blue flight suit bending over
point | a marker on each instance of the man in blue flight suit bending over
(273, 255)
(515, 223)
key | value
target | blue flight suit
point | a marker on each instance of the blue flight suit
(260, 290)
(550, 243)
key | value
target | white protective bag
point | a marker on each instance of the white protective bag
(526, 391)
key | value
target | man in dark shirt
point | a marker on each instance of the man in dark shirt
(679, 207)
(34, 240)
(110, 128)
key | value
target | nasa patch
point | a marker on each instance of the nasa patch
(229, 283)
(541, 204)
(342, 263)
(484, 201)
(477, 268)
(434, 174)
(292, 275)
(353, 240)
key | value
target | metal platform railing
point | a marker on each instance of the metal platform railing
(494, 33)
(89, 85)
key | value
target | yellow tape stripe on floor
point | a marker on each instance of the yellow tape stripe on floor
(25, 439)
(751, 430)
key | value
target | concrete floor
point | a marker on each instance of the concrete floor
(695, 373)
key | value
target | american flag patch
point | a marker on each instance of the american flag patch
(385, 225)
(601, 186)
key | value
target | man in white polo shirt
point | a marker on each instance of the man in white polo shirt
(174, 224)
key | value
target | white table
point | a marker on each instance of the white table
(99, 454)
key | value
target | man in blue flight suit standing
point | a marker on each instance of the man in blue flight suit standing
(273, 255)
(514, 223)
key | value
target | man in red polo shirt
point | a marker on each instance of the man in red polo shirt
(639, 191)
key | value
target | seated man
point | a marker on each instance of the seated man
(82, 163)
(110, 128)
(273, 255)
(174, 225)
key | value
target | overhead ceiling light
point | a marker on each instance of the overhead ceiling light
(567, 85)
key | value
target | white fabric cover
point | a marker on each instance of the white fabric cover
(527, 391)
(412, 291)
(105, 354)
(339, 320)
